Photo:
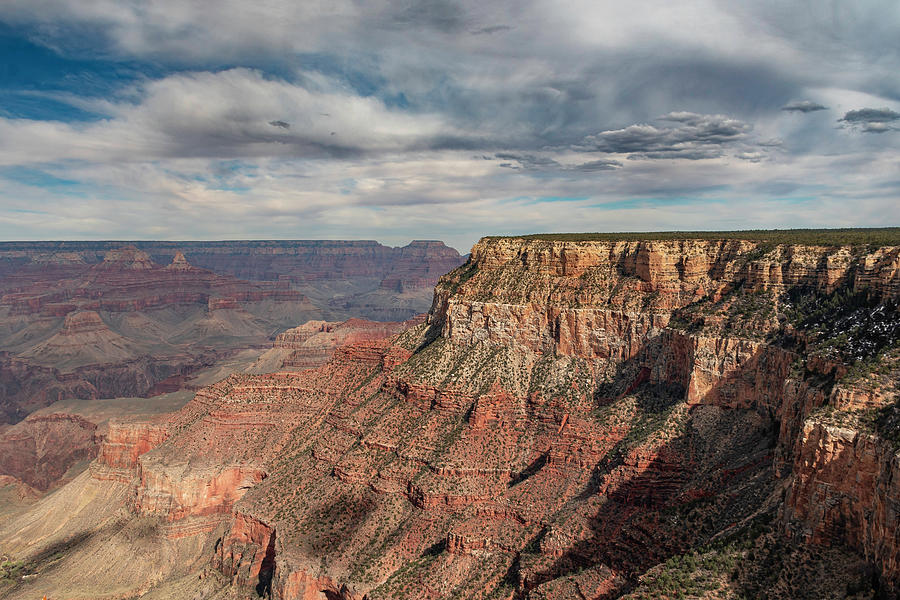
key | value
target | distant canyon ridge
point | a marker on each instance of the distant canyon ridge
(114, 318)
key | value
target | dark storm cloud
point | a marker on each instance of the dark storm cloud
(804, 106)
(685, 154)
(597, 165)
(871, 115)
(871, 120)
(490, 30)
(704, 82)
(527, 161)
(694, 137)
(531, 162)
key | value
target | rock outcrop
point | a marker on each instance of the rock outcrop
(120, 326)
(604, 299)
(846, 479)
(407, 269)
(125, 442)
(83, 339)
(313, 343)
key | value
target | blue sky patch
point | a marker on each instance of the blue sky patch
(36, 177)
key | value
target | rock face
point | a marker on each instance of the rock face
(847, 487)
(247, 554)
(39, 450)
(120, 326)
(126, 257)
(28, 387)
(178, 493)
(419, 265)
(179, 262)
(571, 416)
(84, 337)
(124, 443)
(604, 299)
(313, 343)
(411, 269)
(127, 280)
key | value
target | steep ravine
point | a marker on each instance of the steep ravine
(576, 419)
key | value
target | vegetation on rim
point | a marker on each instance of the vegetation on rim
(881, 236)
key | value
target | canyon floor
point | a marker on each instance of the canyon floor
(576, 417)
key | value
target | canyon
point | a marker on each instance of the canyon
(574, 418)
(113, 319)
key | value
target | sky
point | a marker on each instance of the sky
(443, 119)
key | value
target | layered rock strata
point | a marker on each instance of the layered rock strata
(120, 326)
(75, 313)
(571, 415)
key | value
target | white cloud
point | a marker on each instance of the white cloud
(223, 114)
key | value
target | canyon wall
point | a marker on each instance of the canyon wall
(418, 264)
(572, 416)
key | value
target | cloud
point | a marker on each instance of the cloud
(527, 161)
(490, 30)
(532, 162)
(441, 15)
(804, 106)
(695, 137)
(388, 103)
(876, 127)
(597, 165)
(751, 156)
(871, 115)
(226, 115)
(871, 120)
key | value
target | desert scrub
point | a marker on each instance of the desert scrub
(11, 569)
(650, 426)
(459, 276)
(853, 327)
(739, 312)
(406, 580)
(413, 338)
(562, 377)
(763, 249)
(705, 571)
(693, 574)
(887, 423)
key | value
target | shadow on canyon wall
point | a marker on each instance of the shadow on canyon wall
(672, 498)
